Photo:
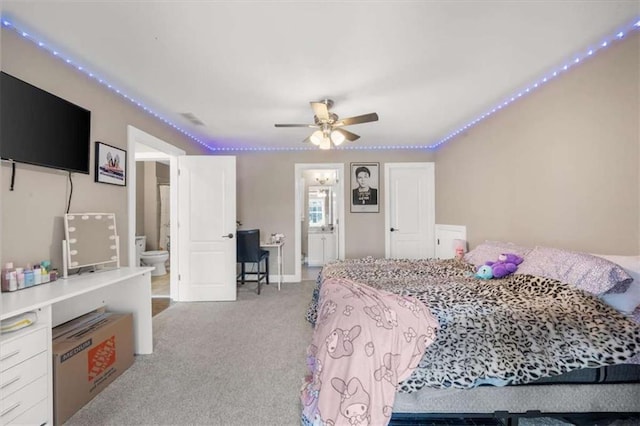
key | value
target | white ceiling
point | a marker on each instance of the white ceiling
(426, 67)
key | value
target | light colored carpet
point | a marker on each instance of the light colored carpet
(216, 363)
(222, 363)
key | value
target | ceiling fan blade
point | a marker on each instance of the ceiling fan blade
(347, 134)
(356, 120)
(320, 110)
(296, 125)
(307, 140)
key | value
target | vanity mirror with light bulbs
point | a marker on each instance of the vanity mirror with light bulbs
(91, 240)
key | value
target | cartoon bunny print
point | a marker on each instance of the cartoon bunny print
(354, 401)
(340, 342)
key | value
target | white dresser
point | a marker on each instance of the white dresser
(26, 372)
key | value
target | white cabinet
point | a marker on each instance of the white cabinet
(315, 256)
(445, 236)
(322, 248)
(25, 364)
(330, 248)
(26, 371)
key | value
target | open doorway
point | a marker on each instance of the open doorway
(153, 224)
(319, 217)
(151, 151)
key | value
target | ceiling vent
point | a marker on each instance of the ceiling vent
(192, 118)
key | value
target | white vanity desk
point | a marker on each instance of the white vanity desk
(278, 246)
(25, 399)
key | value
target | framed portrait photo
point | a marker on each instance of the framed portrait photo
(365, 184)
(111, 164)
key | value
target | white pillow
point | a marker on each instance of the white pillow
(628, 301)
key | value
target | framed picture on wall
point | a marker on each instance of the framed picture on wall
(111, 164)
(365, 180)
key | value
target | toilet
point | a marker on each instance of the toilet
(155, 258)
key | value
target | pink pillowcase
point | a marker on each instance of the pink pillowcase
(490, 250)
(587, 272)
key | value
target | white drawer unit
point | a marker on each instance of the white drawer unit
(36, 415)
(25, 372)
(26, 369)
(22, 401)
(27, 343)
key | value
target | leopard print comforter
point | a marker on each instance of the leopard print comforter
(507, 331)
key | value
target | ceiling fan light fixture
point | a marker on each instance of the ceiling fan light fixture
(325, 144)
(316, 137)
(337, 137)
(329, 131)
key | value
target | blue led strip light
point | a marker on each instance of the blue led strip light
(6, 23)
(576, 59)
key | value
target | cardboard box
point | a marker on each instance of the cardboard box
(88, 354)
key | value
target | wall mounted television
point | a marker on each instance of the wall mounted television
(37, 127)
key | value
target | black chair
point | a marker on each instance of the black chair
(248, 251)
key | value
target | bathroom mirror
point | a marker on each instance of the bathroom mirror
(91, 239)
(320, 207)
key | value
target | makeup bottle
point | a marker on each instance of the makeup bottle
(13, 281)
(37, 275)
(6, 276)
(20, 277)
(29, 280)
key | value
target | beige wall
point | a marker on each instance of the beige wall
(151, 205)
(32, 228)
(265, 200)
(559, 167)
(149, 174)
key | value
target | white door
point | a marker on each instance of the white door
(206, 228)
(410, 207)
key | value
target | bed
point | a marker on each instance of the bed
(560, 337)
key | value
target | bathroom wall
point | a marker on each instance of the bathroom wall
(148, 175)
(162, 180)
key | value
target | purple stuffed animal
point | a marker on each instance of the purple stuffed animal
(507, 264)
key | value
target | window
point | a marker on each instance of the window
(316, 211)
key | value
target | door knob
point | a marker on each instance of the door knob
(394, 229)
(229, 235)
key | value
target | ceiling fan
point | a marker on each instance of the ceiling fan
(330, 126)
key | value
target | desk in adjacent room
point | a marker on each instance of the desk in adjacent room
(278, 246)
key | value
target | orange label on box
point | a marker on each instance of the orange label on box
(102, 357)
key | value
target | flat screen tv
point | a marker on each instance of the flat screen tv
(37, 127)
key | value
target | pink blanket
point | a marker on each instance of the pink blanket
(365, 342)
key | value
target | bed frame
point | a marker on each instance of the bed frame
(578, 403)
